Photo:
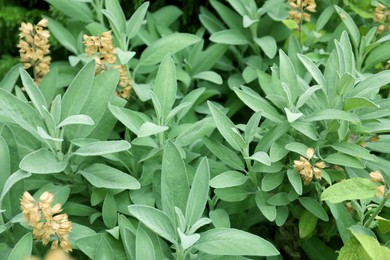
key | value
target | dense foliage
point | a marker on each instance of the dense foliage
(258, 131)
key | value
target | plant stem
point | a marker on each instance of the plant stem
(7, 235)
(377, 211)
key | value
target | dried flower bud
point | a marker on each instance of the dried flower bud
(376, 176)
(51, 225)
(34, 48)
(309, 153)
(380, 191)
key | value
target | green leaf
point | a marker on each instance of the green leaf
(231, 37)
(174, 181)
(313, 70)
(103, 250)
(228, 179)
(149, 128)
(42, 161)
(225, 154)
(298, 148)
(292, 116)
(352, 29)
(76, 120)
(171, 43)
(224, 241)
(5, 161)
(307, 224)
(115, 8)
(131, 119)
(165, 86)
(345, 83)
(23, 248)
(62, 34)
(359, 102)
(144, 248)
(353, 250)
(306, 128)
(209, 76)
(344, 160)
(109, 210)
(351, 189)
(260, 157)
(48, 85)
(354, 150)
(314, 207)
(288, 75)
(9, 80)
(199, 193)
(295, 180)
(268, 45)
(22, 113)
(271, 181)
(370, 86)
(331, 114)
(78, 91)
(104, 176)
(377, 55)
(252, 127)
(279, 199)
(136, 20)
(96, 103)
(102, 147)
(33, 92)
(187, 241)
(258, 103)
(12, 179)
(268, 210)
(156, 220)
(74, 9)
(225, 126)
(220, 218)
(372, 247)
(324, 17)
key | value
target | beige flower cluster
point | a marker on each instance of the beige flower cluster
(376, 176)
(382, 16)
(103, 49)
(306, 170)
(34, 48)
(300, 8)
(45, 221)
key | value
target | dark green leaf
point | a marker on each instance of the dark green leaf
(314, 207)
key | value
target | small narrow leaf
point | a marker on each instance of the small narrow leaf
(102, 147)
(199, 193)
(76, 120)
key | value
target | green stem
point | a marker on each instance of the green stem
(7, 234)
(377, 211)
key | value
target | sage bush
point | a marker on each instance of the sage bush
(264, 134)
